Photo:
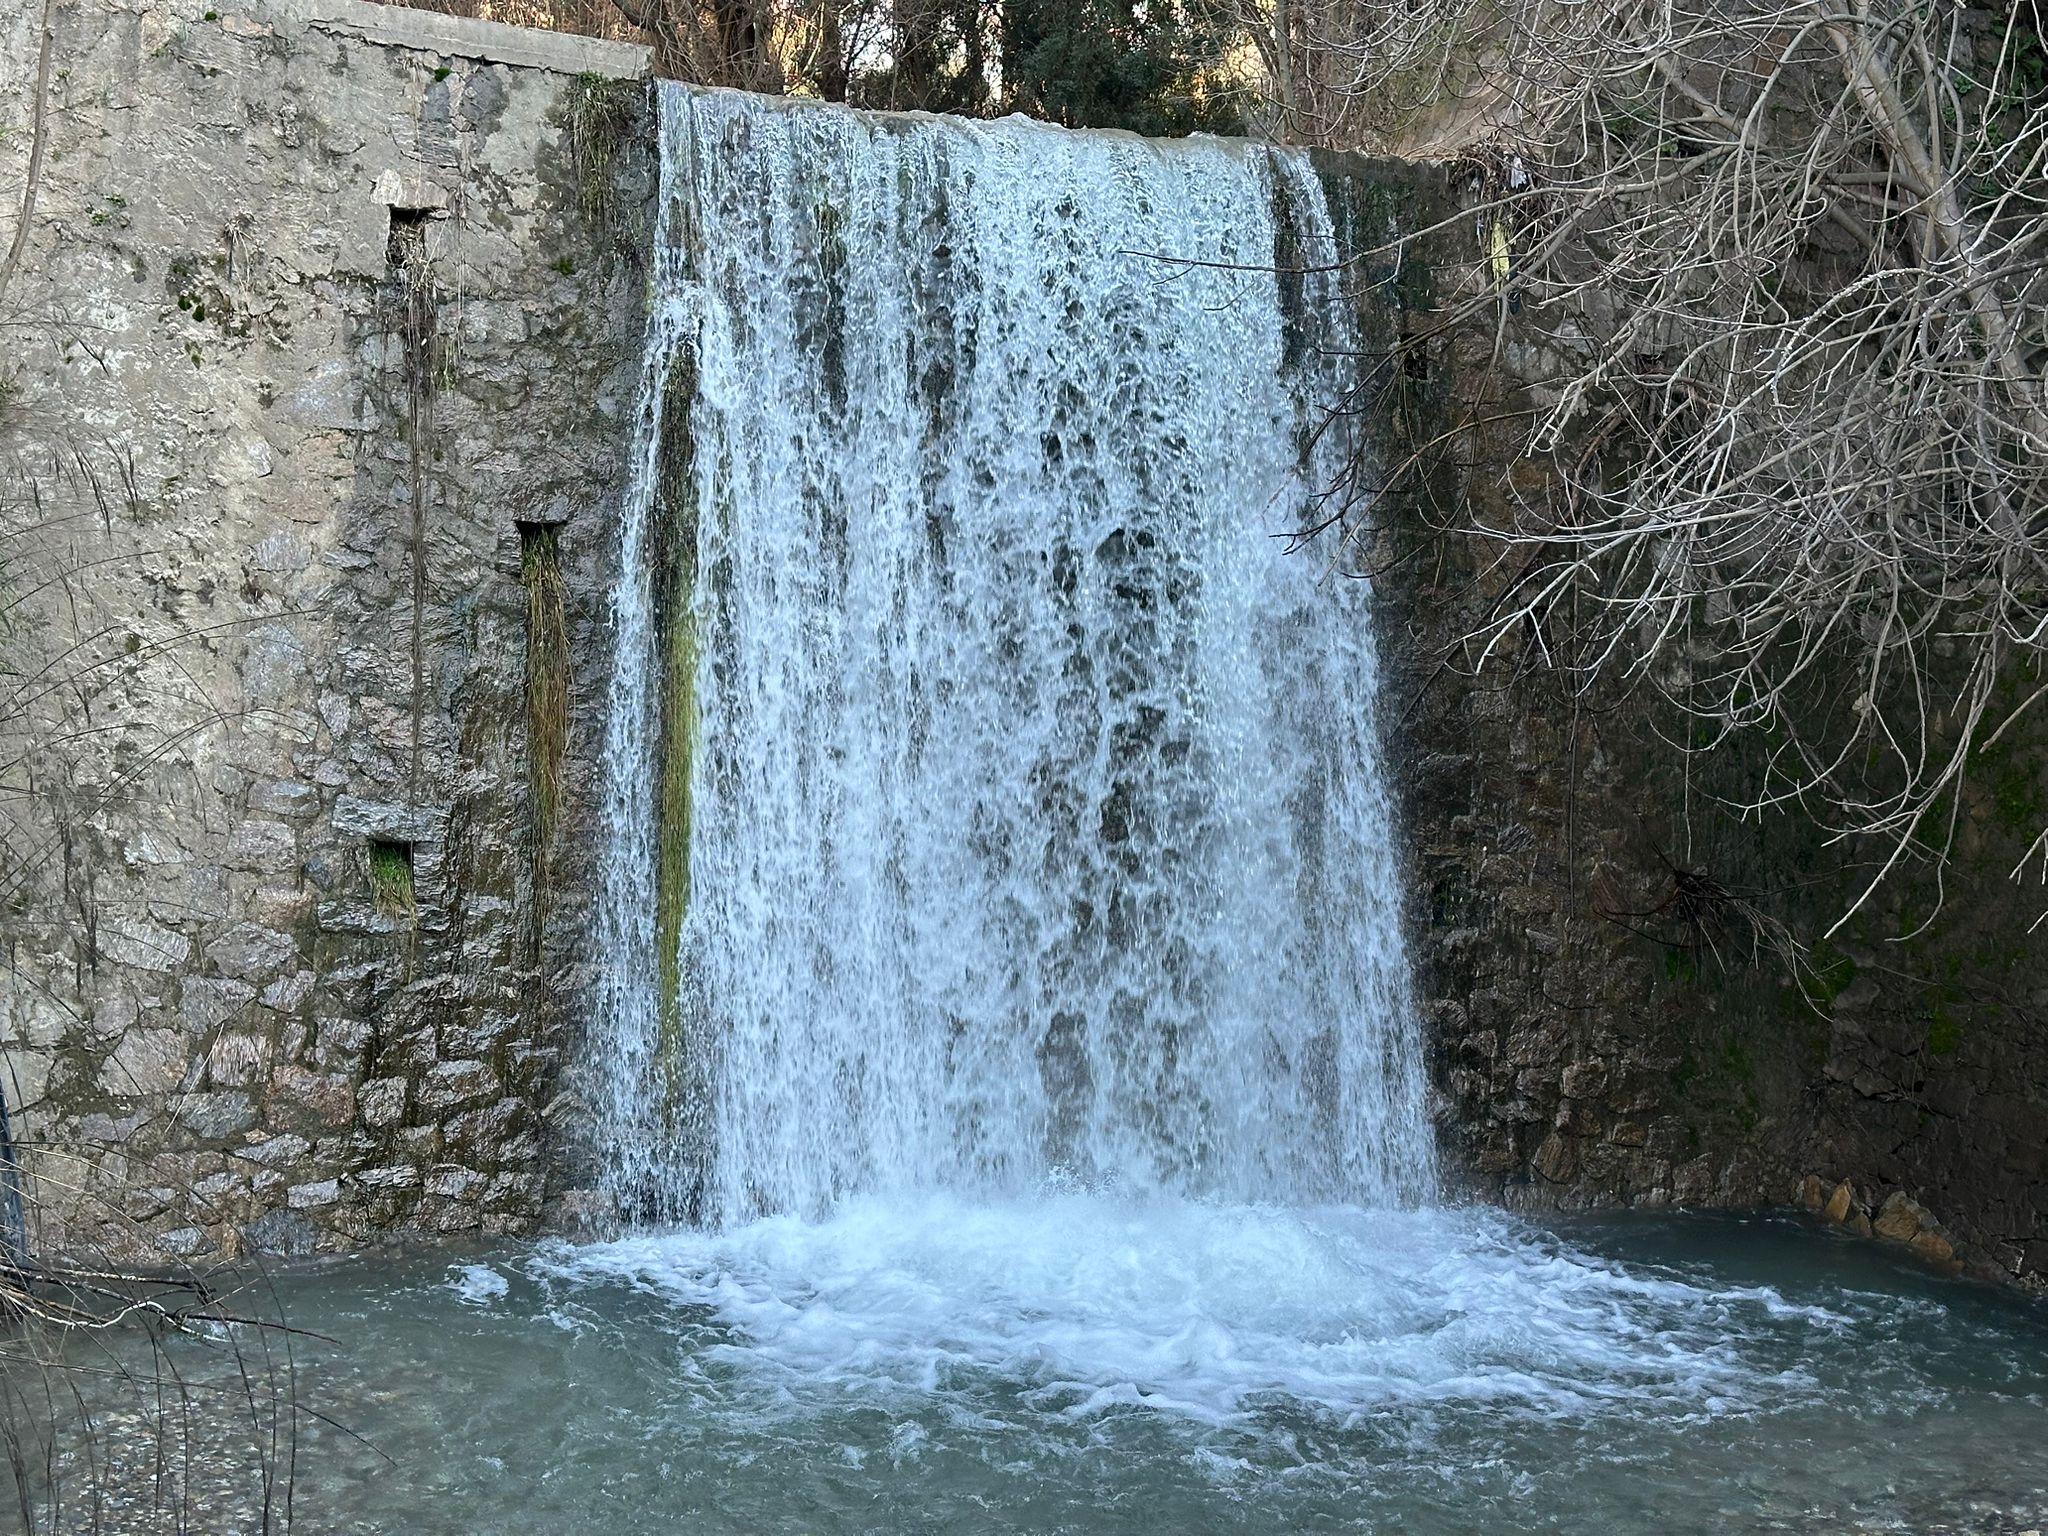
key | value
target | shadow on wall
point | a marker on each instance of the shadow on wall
(1628, 992)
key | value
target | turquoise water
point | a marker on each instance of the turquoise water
(1043, 957)
(1077, 1364)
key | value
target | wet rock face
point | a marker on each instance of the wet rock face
(321, 315)
(1609, 1022)
(1900, 1219)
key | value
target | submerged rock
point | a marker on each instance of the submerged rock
(1837, 1208)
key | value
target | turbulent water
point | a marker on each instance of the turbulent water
(1036, 837)
(1024, 1127)
(1005, 1047)
(1081, 1364)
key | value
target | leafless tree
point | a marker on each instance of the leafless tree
(1789, 259)
(719, 42)
(876, 53)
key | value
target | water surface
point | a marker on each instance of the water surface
(1081, 1364)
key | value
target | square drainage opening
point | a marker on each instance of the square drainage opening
(406, 244)
(391, 880)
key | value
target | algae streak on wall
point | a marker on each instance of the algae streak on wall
(992, 798)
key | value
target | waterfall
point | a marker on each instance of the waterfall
(992, 800)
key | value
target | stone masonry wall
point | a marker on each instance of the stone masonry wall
(1611, 1022)
(318, 366)
(318, 371)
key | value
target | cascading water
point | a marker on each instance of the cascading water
(993, 800)
(1003, 1041)
(1004, 1045)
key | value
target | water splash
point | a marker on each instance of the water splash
(1035, 826)
(1082, 1305)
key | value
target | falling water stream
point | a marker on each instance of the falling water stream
(1036, 833)
(1004, 1053)
(1005, 1030)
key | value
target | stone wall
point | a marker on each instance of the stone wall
(319, 364)
(1614, 1018)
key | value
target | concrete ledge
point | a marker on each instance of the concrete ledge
(493, 42)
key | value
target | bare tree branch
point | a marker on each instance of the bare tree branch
(1790, 258)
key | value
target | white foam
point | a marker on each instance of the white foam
(477, 1284)
(1087, 1304)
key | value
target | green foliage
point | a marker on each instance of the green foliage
(391, 887)
(2016, 797)
(1452, 901)
(1736, 1062)
(2006, 768)
(1826, 977)
(1151, 68)
(2030, 68)
(937, 61)
(2012, 87)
